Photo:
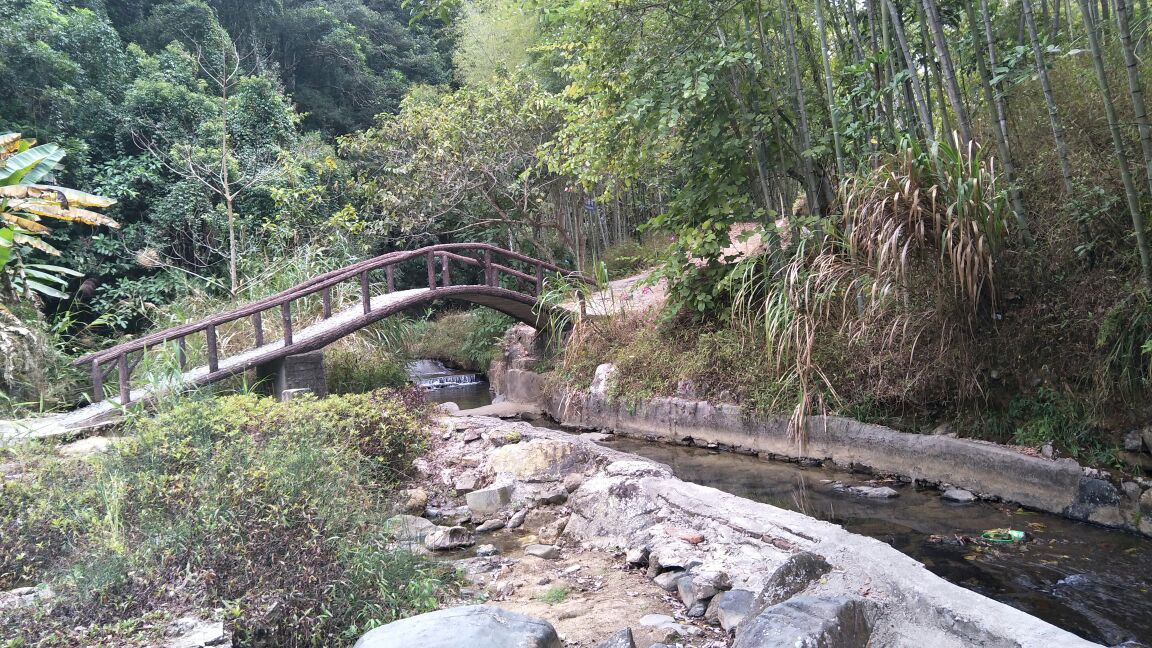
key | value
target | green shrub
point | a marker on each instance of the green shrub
(468, 339)
(359, 370)
(271, 511)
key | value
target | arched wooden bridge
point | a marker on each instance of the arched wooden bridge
(511, 283)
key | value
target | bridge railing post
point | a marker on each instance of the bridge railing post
(182, 352)
(286, 318)
(213, 350)
(97, 382)
(258, 328)
(122, 379)
(445, 273)
(365, 292)
(390, 273)
(326, 297)
(489, 274)
(430, 261)
(539, 279)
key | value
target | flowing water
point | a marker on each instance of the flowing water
(443, 385)
(1092, 581)
(1089, 580)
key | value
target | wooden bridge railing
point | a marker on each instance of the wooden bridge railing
(124, 358)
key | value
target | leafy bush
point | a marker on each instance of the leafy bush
(268, 510)
(355, 370)
(468, 339)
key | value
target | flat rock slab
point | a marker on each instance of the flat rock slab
(489, 501)
(539, 460)
(547, 552)
(809, 622)
(958, 495)
(874, 492)
(622, 639)
(730, 608)
(443, 538)
(506, 409)
(470, 626)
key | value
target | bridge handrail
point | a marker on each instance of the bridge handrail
(317, 284)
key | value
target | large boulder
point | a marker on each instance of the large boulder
(540, 460)
(809, 622)
(470, 626)
(800, 571)
(444, 538)
(489, 501)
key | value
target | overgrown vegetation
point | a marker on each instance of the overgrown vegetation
(465, 339)
(267, 511)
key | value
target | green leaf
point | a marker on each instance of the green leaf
(47, 291)
(6, 245)
(32, 165)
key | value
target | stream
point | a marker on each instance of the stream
(1089, 580)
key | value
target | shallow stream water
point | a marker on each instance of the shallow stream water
(1090, 580)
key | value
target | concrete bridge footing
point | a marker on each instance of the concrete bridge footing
(289, 377)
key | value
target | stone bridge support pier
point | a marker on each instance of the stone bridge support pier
(290, 376)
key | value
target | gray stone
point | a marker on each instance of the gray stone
(1146, 434)
(573, 481)
(636, 556)
(1134, 441)
(1096, 497)
(489, 501)
(448, 408)
(621, 639)
(466, 483)
(490, 525)
(25, 596)
(1047, 451)
(693, 591)
(656, 620)
(555, 494)
(808, 622)
(413, 501)
(547, 552)
(552, 531)
(874, 492)
(87, 447)
(958, 495)
(469, 626)
(409, 528)
(800, 571)
(487, 550)
(190, 632)
(697, 610)
(517, 519)
(540, 460)
(667, 580)
(730, 608)
(443, 538)
(471, 435)
(1146, 504)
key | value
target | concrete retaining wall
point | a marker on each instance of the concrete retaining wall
(1059, 486)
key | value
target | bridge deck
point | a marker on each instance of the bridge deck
(97, 413)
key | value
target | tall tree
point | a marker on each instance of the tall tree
(1049, 101)
(829, 91)
(913, 73)
(951, 85)
(1130, 195)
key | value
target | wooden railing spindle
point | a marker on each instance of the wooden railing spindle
(445, 274)
(97, 382)
(539, 280)
(431, 263)
(213, 351)
(326, 297)
(286, 317)
(182, 352)
(488, 268)
(125, 387)
(365, 292)
(258, 327)
(390, 273)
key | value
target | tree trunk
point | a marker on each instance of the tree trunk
(914, 76)
(829, 91)
(1135, 87)
(802, 105)
(1118, 146)
(996, 115)
(1053, 114)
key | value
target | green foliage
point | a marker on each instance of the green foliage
(556, 594)
(357, 370)
(468, 339)
(1049, 416)
(196, 508)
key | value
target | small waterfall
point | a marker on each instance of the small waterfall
(432, 374)
(457, 380)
